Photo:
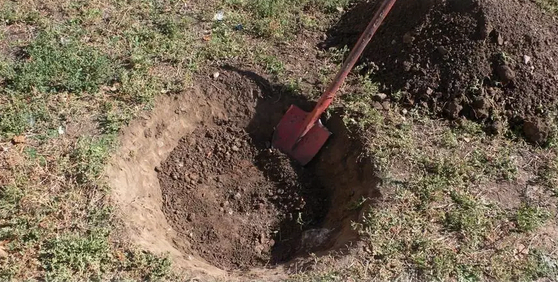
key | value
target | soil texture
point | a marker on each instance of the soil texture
(239, 205)
(492, 61)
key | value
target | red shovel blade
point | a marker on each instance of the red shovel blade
(285, 136)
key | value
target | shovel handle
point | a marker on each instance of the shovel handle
(334, 86)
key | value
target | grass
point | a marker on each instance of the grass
(438, 223)
(78, 74)
(55, 62)
(529, 218)
(83, 70)
(549, 5)
(67, 91)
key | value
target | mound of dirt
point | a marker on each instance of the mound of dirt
(492, 61)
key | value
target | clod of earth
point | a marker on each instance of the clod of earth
(536, 131)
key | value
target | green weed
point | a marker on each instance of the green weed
(470, 218)
(56, 61)
(89, 158)
(271, 63)
(528, 218)
(549, 5)
(67, 255)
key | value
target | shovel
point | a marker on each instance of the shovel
(301, 135)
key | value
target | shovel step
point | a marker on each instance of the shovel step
(301, 149)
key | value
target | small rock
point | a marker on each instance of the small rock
(174, 176)
(194, 176)
(499, 39)
(379, 97)
(535, 131)
(408, 38)
(386, 105)
(429, 91)
(377, 106)
(526, 59)
(235, 148)
(180, 164)
(485, 28)
(158, 168)
(219, 16)
(191, 217)
(237, 196)
(339, 9)
(216, 75)
(442, 50)
(225, 204)
(230, 212)
(505, 73)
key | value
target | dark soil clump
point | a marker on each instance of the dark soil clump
(485, 60)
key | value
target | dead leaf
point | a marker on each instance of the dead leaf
(3, 253)
(18, 139)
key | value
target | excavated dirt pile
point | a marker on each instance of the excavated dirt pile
(493, 61)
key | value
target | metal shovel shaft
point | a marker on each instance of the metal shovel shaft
(326, 98)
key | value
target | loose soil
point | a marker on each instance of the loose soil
(240, 205)
(492, 61)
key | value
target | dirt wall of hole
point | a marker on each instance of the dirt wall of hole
(149, 140)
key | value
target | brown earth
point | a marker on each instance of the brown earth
(240, 205)
(492, 61)
(229, 201)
